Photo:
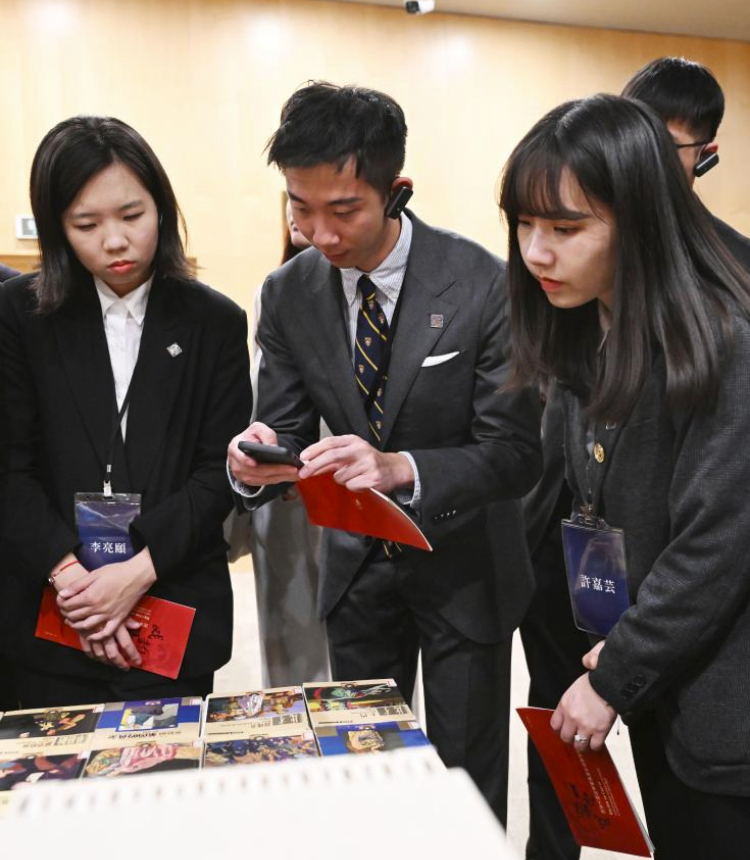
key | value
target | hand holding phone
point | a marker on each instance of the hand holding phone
(270, 454)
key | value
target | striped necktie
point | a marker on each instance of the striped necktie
(369, 348)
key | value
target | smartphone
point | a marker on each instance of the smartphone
(270, 454)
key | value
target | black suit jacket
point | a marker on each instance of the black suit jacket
(57, 419)
(476, 449)
(678, 486)
(6, 273)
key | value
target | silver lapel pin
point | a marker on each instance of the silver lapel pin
(436, 320)
(174, 349)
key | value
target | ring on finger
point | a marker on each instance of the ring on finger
(580, 739)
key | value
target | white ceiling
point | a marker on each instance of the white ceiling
(722, 19)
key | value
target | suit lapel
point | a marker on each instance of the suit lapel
(330, 342)
(157, 379)
(425, 293)
(79, 331)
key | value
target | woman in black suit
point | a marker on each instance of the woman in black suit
(623, 296)
(116, 365)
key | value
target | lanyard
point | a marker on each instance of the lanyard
(116, 430)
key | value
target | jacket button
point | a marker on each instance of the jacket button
(639, 681)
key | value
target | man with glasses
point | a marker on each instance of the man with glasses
(689, 99)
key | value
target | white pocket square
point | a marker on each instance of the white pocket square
(432, 360)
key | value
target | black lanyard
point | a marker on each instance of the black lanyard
(116, 431)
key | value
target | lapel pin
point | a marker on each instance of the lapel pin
(436, 320)
(174, 349)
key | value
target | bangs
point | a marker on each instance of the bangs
(531, 185)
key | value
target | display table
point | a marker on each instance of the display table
(403, 803)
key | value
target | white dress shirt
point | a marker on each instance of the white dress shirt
(123, 327)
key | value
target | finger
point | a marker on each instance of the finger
(98, 650)
(254, 475)
(106, 629)
(127, 646)
(76, 616)
(90, 624)
(556, 720)
(132, 624)
(597, 741)
(327, 444)
(85, 645)
(112, 650)
(591, 658)
(77, 586)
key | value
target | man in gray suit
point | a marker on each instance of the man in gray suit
(422, 418)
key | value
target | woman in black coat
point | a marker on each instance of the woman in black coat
(624, 301)
(117, 368)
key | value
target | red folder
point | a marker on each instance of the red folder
(591, 793)
(161, 639)
(331, 505)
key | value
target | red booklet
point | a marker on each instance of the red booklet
(591, 793)
(161, 639)
(369, 513)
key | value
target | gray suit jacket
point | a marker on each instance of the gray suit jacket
(679, 486)
(476, 449)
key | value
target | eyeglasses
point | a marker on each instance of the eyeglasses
(689, 145)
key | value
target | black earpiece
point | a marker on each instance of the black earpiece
(398, 201)
(705, 164)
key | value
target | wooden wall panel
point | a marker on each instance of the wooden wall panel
(204, 80)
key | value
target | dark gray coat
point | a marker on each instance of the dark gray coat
(679, 486)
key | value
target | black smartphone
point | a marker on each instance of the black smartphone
(270, 454)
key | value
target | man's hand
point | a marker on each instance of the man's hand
(583, 716)
(99, 603)
(248, 471)
(357, 465)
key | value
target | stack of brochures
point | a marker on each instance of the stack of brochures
(361, 717)
(262, 725)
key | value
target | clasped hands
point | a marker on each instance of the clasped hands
(582, 716)
(97, 605)
(354, 462)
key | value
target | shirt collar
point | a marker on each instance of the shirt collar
(134, 301)
(389, 275)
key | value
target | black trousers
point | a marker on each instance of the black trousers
(38, 689)
(684, 823)
(554, 647)
(378, 629)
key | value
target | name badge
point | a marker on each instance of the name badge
(597, 573)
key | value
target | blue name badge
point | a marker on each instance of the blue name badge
(597, 573)
(103, 524)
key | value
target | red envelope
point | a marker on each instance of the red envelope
(161, 639)
(331, 505)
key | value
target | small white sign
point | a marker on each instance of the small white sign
(25, 227)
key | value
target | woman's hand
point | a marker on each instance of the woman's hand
(97, 604)
(118, 650)
(590, 659)
(583, 716)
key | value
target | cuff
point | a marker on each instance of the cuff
(413, 498)
(240, 488)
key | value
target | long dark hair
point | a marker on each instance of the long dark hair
(70, 154)
(675, 283)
